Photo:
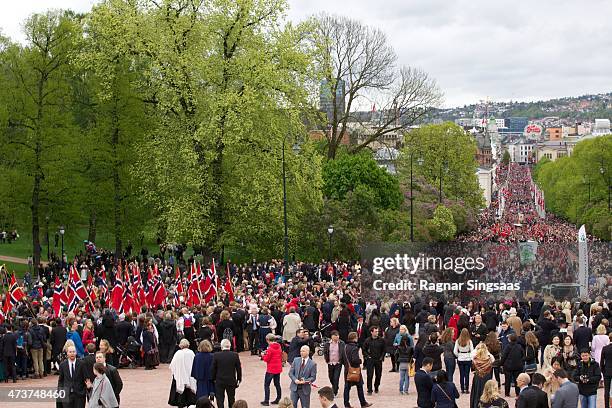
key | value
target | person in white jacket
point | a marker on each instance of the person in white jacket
(184, 386)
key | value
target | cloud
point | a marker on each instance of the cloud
(504, 49)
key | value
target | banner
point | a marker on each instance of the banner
(583, 262)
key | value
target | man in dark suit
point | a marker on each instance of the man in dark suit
(424, 384)
(582, 336)
(361, 330)
(226, 373)
(533, 396)
(124, 329)
(88, 362)
(606, 370)
(326, 397)
(9, 353)
(71, 380)
(113, 375)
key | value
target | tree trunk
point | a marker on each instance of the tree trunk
(93, 224)
(35, 223)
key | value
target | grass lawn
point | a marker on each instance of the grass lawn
(73, 244)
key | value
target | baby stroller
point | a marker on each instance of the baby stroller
(129, 353)
(320, 340)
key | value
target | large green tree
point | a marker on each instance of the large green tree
(577, 188)
(38, 129)
(448, 157)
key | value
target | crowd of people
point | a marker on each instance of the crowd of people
(560, 348)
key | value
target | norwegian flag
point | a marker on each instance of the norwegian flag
(159, 292)
(15, 294)
(137, 290)
(178, 282)
(227, 286)
(127, 303)
(104, 286)
(59, 297)
(117, 292)
(76, 290)
(211, 283)
(193, 292)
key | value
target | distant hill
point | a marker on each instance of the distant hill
(569, 110)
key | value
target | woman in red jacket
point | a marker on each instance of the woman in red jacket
(273, 357)
(88, 333)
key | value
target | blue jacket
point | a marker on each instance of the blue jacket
(78, 344)
(424, 385)
(439, 399)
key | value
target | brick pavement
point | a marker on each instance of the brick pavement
(148, 389)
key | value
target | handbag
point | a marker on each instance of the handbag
(411, 369)
(449, 398)
(353, 374)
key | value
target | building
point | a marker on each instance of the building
(326, 103)
(386, 157)
(602, 127)
(554, 150)
(554, 133)
(521, 151)
(486, 180)
(484, 155)
(515, 124)
(317, 135)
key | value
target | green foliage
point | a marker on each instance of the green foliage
(447, 152)
(567, 182)
(361, 172)
(506, 157)
(442, 225)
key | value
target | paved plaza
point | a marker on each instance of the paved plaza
(148, 389)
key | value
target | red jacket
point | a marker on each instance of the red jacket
(452, 323)
(274, 359)
(88, 337)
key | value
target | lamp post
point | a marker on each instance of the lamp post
(420, 161)
(62, 230)
(330, 232)
(296, 150)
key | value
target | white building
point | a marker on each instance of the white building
(521, 151)
(486, 179)
(602, 127)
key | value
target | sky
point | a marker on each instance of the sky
(475, 49)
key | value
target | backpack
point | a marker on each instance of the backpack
(20, 340)
(228, 334)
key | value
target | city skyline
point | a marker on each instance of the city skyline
(474, 49)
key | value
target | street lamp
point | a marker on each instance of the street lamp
(62, 230)
(420, 162)
(296, 149)
(330, 232)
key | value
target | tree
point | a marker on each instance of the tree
(442, 226)
(350, 172)
(38, 123)
(448, 154)
(113, 118)
(356, 63)
(576, 188)
(228, 83)
(506, 157)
